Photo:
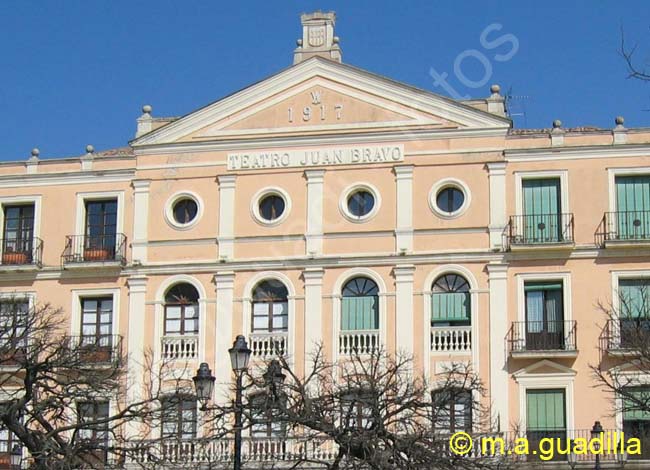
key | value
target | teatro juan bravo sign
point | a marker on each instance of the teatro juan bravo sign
(303, 158)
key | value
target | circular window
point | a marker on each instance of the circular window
(183, 210)
(359, 203)
(270, 206)
(449, 198)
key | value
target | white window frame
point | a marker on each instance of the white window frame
(75, 316)
(80, 219)
(449, 183)
(169, 210)
(522, 278)
(291, 307)
(520, 176)
(270, 191)
(159, 323)
(347, 192)
(547, 381)
(11, 200)
(337, 304)
(641, 379)
(616, 277)
(612, 173)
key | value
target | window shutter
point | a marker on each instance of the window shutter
(360, 313)
(632, 204)
(634, 298)
(545, 410)
(450, 306)
(632, 410)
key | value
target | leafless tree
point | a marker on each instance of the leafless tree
(636, 69)
(55, 392)
(368, 411)
(625, 349)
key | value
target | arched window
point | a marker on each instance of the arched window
(360, 305)
(270, 307)
(182, 310)
(450, 301)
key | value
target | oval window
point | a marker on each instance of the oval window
(361, 203)
(271, 207)
(185, 211)
(450, 199)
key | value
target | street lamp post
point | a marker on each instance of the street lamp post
(16, 457)
(239, 356)
(596, 431)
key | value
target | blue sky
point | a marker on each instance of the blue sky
(77, 72)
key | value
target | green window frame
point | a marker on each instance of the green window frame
(542, 209)
(634, 298)
(633, 206)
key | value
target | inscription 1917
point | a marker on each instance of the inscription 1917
(317, 111)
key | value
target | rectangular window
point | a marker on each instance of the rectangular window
(357, 410)
(636, 418)
(97, 321)
(100, 230)
(18, 233)
(545, 416)
(633, 206)
(452, 411)
(360, 313)
(179, 418)
(542, 222)
(450, 308)
(93, 423)
(634, 312)
(544, 315)
(182, 319)
(266, 418)
(270, 316)
(14, 319)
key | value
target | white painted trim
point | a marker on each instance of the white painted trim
(318, 67)
(270, 191)
(624, 274)
(247, 313)
(449, 183)
(159, 308)
(10, 200)
(226, 216)
(499, 378)
(563, 175)
(347, 192)
(564, 277)
(168, 211)
(336, 304)
(577, 153)
(559, 380)
(474, 313)
(314, 235)
(612, 173)
(75, 310)
(55, 179)
(498, 215)
(80, 214)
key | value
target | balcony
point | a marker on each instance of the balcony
(269, 345)
(626, 336)
(18, 254)
(534, 339)
(358, 342)
(540, 231)
(96, 249)
(626, 228)
(96, 349)
(267, 452)
(180, 347)
(451, 339)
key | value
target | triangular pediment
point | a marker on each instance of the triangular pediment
(544, 367)
(319, 96)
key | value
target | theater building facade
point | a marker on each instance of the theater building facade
(330, 205)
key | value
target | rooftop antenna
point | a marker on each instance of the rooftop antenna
(516, 106)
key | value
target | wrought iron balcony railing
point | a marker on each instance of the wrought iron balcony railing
(541, 229)
(626, 335)
(94, 248)
(627, 226)
(96, 349)
(20, 252)
(546, 336)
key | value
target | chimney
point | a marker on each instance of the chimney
(317, 37)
